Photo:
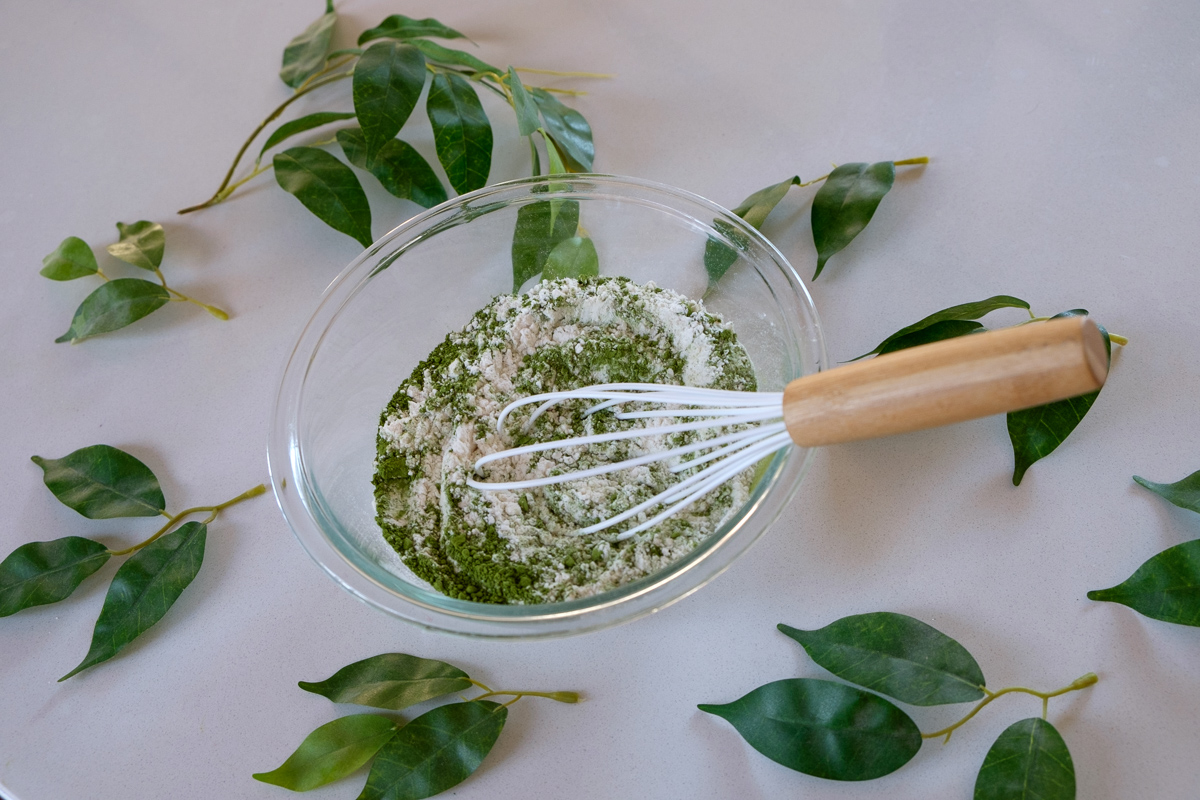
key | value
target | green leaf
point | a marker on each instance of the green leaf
(1029, 761)
(461, 131)
(959, 313)
(824, 728)
(70, 260)
(572, 258)
(143, 589)
(446, 55)
(142, 244)
(541, 225)
(437, 750)
(937, 332)
(391, 680)
(302, 124)
(102, 482)
(895, 655)
(523, 105)
(755, 208)
(398, 166)
(388, 80)
(113, 306)
(45, 572)
(845, 204)
(332, 751)
(570, 131)
(305, 55)
(1184, 493)
(719, 256)
(327, 188)
(1036, 432)
(398, 26)
(1166, 587)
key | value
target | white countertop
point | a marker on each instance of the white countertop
(1063, 143)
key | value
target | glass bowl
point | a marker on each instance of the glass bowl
(399, 299)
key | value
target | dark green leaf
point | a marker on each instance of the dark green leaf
(1036, 432)
(143, 589)
(845, 204)
(398, 166)
(305, 123)
(114, 305)
(896, 655)
(461, 131)
(569, 130)
(959, 313)
(142, 244)
(305, 54)
(755, 208)
(45, 572)
(327, 188)
(398, 26)
(572, 258)
(437, 750)
(824, 728)
(70, 260)
(446, 55)
(1029, 761)
(1167, 587)
(523, 105)
(388, 80)
(1184, 493)
(332, 751)
(102, 482)
(719, 256)
(390, 680)
(541, 225)
(937, 332)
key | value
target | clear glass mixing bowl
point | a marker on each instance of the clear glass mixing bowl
(399, 299)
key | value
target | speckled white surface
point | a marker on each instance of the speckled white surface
(1063, 139)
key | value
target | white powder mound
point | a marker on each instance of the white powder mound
(521, 547)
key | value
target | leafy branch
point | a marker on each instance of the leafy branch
(102, 482)
(840, 732)
(434, 752)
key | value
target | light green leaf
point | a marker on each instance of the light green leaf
(572, 258)
(332, 751)
(569, 130)
(305, 54)
(436, 751)
(142, 244)
(541, 225)
(1166, 587)
(388, 80)
(72, 259)
(398, 26)
(398, 166)
(461, 131)
(113, 306)
(391, 680)
(305, 123)
(1029, 761)
(45, 572)
(755, 208)
(895, 655)
(327, 188)
(523, 105)
(1184, 493)
(845, 204)
(143, 590)
(824, 728)
(102, 482)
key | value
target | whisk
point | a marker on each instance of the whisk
(907, 390)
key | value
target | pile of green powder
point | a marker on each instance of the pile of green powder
(521, 547)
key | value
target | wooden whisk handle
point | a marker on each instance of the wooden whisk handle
(945, 382)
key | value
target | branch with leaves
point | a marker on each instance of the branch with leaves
(426, 756)
(387, 79)
(102, 482)
(840, 732)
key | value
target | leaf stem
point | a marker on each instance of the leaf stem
(1079, 683)
(562, 697)
(181, 297)
(212, 514)
(561, 74)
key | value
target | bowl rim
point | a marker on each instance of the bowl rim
(622, 604)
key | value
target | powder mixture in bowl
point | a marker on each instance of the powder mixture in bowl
(520, 547)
